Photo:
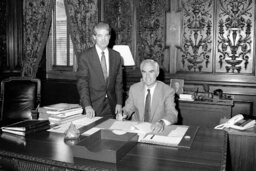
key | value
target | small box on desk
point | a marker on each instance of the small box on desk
(105, 146)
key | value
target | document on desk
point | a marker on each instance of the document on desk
(172, 137)
(78, 123)
(124, 126)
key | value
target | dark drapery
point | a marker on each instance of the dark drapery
(81, 16)
(37, 20)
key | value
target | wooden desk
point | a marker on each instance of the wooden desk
(48, 151)
(242, 149)
(203, 113)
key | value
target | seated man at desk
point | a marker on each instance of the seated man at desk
(150, 100)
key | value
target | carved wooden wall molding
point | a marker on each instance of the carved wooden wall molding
(11, 37)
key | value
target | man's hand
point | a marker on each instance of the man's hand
(120, 117)
(89, 112)
(118, 109)
(158, 126)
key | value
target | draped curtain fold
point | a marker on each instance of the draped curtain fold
(81, 17)
(37, 21)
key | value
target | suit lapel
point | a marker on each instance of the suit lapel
(111, 63)
(155, 101)
(141, 99)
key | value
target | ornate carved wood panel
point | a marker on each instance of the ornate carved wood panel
(196, 51)
(151, 29)
(119, 13)
(217, 36)
(140, 24)
(235, 25)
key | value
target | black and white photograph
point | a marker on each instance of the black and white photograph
(177, 85)
(128, 85)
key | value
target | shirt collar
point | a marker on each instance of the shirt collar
(99, 51)
(152, 89)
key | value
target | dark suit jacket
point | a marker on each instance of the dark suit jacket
(91, 84)
(163, 105)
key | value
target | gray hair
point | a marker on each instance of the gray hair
(101, 25)
(152, 62)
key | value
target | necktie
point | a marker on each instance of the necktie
(147, 106)
(104, 65)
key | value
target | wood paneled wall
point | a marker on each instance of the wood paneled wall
(244, 94)
(11, 60)
(159, 29)
(203, 42)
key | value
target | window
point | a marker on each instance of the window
(59, 51)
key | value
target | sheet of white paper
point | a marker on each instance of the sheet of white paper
(123, 125)
(172, 139)
(143, 127)
(91, 131)
(178, 132)
(164, 140)
(126, 126)
(78, 123)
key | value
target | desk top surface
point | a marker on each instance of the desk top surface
(251, 132)
(208, 152)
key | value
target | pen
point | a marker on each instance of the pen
(152, 136)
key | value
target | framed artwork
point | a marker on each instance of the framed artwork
(177, 85)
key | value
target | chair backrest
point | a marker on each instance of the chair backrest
(20, 96)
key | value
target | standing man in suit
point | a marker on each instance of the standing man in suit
(161, 108)
(99, 75)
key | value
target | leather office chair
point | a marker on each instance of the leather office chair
(20, 98)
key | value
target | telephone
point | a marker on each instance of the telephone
(237, 122)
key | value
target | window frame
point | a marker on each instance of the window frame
(58, 71)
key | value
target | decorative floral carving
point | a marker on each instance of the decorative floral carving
(151, 28)
(119, 16)
(235, 35)
(197, 36)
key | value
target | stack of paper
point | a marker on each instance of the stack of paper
(173, 138)
(60, 112)
(80, 122)
(186, 97)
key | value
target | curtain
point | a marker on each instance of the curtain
(81, 17)
(37, 21)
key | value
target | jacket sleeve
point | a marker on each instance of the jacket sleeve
(119, 83)
(171, 113)
(83, 81)
(129, 107)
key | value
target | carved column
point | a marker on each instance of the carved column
(14, 34)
